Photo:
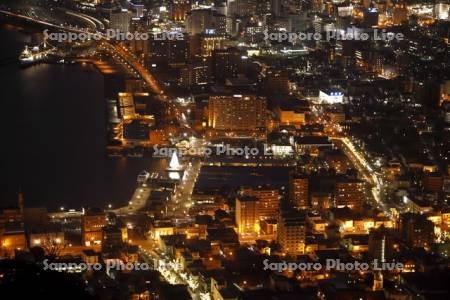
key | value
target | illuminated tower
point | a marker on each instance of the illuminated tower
(174, 167)
(174, 162)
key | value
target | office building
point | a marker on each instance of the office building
(120, 20)
(205, 21)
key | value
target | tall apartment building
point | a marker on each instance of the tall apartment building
(236, 112)
(291, 232)
(299, 190)
(268, 201)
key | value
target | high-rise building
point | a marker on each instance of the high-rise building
(226, 63)
(246, 213)
(268, 201)
(275, 7)
(417, 230)
(179, 9)
(246, 7)
(441, 11)
(172, 51)
(349, 192)
(177, 52)
(371, 17)
(209, 43)
(120, 20)
(381, 244)
(236, 112)
(196, 72)
(205, 21)
(263, 7)
(291, 231)
(299, 190)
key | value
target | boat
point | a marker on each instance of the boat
(143, 177)
(32, 56)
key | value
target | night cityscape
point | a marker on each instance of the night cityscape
(225, 149)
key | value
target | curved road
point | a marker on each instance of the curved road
(149, 79)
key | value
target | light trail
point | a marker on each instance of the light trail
(368, 171)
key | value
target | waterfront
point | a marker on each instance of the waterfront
(54, 135)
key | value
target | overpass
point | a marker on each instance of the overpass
(117, 49)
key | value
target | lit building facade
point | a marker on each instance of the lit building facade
(349, 192)
(91, 228)
(247, 214)
(268, 201)
(236, 112)
(299, 190)
(291, 232)
(120, 20)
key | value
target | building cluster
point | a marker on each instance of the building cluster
(339, 152)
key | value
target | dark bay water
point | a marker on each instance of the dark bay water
(53, 135)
